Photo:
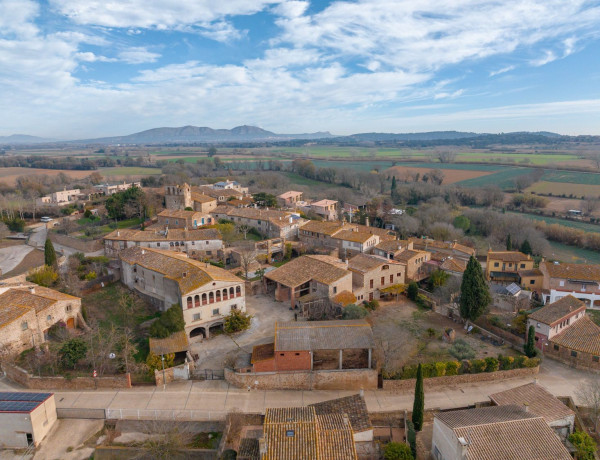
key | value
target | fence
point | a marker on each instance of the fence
(164, 414)
(208, 374)
(76, 412)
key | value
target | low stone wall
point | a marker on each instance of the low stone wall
(76, 243)
(449, 380)
(181, 372)
(583, 360)
(32, 382)
(351, 379)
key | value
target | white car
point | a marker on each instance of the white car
(46, 219)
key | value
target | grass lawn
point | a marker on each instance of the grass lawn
(585, 226)
(571, 254)
(594, 315)
(126, 223)
(572, 177)
(569, 190)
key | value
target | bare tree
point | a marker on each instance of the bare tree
(243, 229)
(436, 176)
(590, 204)
(67, 225)
(248, 255)
(445, 155)
(166, 440)
(588, 394)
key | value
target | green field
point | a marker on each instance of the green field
(572, 177)
(571, 254)
(503, 179)
(128, 171)
(586, 227)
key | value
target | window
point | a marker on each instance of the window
(215, 311)
(561, 282)
(596, 359)
(496, 264)
(297, 354)
(556, 347)
(522, 265)
(281, 354)
(391, 278)
(207, 242)
(531, 281)
(193, 243)
(371, 284)
(574, 354)
(158, 245)
(196, 317)
(49, 318)
(68, 308)
(382, 280)
(24, 326)
(335, 289)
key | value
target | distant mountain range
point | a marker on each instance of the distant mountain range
(195, 134)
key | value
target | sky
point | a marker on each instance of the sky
(73, 69)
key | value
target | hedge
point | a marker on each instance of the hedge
(473, 366)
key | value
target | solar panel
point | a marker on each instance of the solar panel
(18, 406)
(14, 396)
(513, 288)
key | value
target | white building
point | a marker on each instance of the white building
(60, 198)
(107, 189)
(206, 293)
(25, 418)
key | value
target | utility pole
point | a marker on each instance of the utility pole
(162, 358)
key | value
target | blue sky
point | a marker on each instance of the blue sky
(90, 68)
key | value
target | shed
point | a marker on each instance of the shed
(25, 418)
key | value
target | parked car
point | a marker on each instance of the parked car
(46, 219)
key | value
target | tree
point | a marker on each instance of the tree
(247, 254)
(265, 199)
(529, 347)
(4, 231)
(237, 321)
(354, 312)
(397, 451)
(394, 185)
(72, 351)
(462, 222)
(419, 401)
(212, 151)
(508, 243)
(154, 362)
(526, 247)
(411, 437)
(585, 445)
(170, 321)
(394, 289)
(413, 291)
(243, 229)
(589, 395)
(474, 291)
(49, 254)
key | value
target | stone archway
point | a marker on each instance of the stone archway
(198, 332)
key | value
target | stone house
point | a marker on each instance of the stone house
(503, 267)
(316, 345)
(336, 235)
(176, 218)
(25, 418)
(28, 311)
(391, 248)
(415, 262)
(198, 242)
(579, 280)
(320, 234)
(323, 275)
(443, 248)
(350, 242)
(507, 432)
(108, 189)
(289, 199)
(327, 209)
(448, 264)
(185, 196)
(372, 273)
(60, 198)
(221, 195)
(539, 401)
(230, 185)
(269, 222)
(554, 318)
(206, 293)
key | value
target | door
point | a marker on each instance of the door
(71, 323)
(29, 438)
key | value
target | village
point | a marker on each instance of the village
(272, 294)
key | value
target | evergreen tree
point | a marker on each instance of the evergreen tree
(411, 437)
(529, 348)
(49, 254)
(413, 291)
(419, 402)
(508, 243)
(526, 248)
(474, 291)
(394, 183)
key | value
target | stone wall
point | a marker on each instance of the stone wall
(355, 379)
(581, 361)
(449, 380)
(76, 243)
(181, 372)
(32, 382)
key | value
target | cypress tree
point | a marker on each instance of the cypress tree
(394, 183)
(508, 243)
(49, 254)
(529, 348)
(526, 247)
(411, 437)
(419, 402)
(474, 291)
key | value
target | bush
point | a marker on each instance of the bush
(452, 367)
(397, 451)
(440, 369)
(154, 362)
(170, 321)
(90, 276)
(505, 362)
(354, 312)
(409, 372)
(461, 350)
(477, 366)
(585, 445)
(430, 332)
(44, 276)
(532, 362)
(237, 321)
(491, 364)
(372, 305)
(519, 362)
(412, 291)
(72, 351)
(429, 370)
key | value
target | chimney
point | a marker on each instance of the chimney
(346, 419)
(118, 233)
(143, 252)
(526, 407)
(464, 447)
(367, 221)
(32, 289)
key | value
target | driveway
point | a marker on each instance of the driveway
(266, 312)
(12, 256)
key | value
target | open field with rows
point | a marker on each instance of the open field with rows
(586, 227)
(451, 176)
(564, 188)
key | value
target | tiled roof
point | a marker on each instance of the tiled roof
(530, 439)
(583, 335)
(529, 273)
(278, 218)
(357, 237)
(179, 213)
(408, 254)
(353, 406)
(176, 342)
(249, 449)
(201, 197)
(289, 194)
(262, 352)
(157, 233)
(540, 401)
(392, 246)
(323, 335)
(364, 263)
(587, 272)
(556, 311)
(45, 292)
(381, 232)
(323, 203)
(325, 227)
(207, 190)
(453, 265)
(245, 201)
(303, 269)
(483, 416)
(25, 299)
(508, 256)
(335, 438)
(188, 273)
(10, 313)
(435, 244)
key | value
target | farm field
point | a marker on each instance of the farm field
(9, 176)
(451, 176)
(565, 188)
(503, 178)
(586, 227)
(572, 177)
(128, 171)
(571, 254)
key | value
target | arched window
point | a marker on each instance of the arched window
(225, 296)
(204, 299)
(218, 296)
(231, 292)
(211, 297)
(238, 291)
(189, 302)
(197, 301)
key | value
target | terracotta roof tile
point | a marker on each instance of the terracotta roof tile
(483, 416)
(556, 311)
(289, 194)
(323, 335)
(158, 233)
(583, 335)
(305, 268)
(335, 437)
(586, 272)
(453, 265)
(392, 246)
(357, 237)
(408, 254)
(353, 406)
(201, 197)
(179, 213)
(508, 256)
(539, 400)
(325, 227)
(365, 263)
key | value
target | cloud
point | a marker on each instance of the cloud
(548, 57)
(508, 68)
(446, 95)
(137, 55)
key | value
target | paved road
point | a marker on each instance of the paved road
(212, 399)
(12, 256)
